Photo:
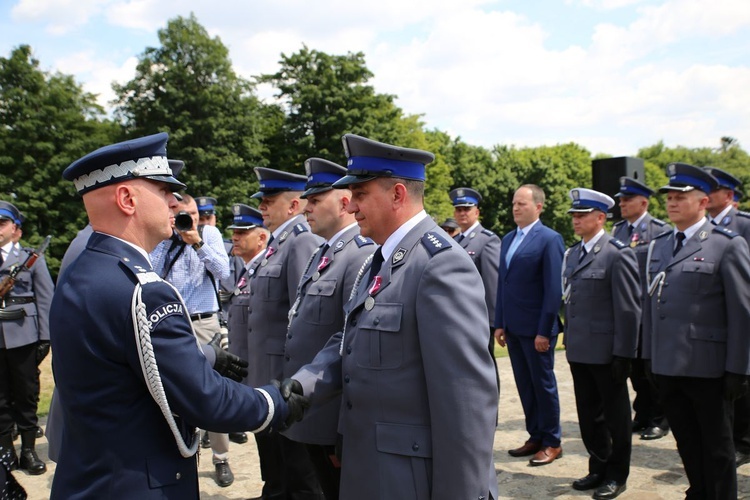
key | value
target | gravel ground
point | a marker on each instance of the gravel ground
(656, 470)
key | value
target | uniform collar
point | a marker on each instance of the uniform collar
(395, 238)
(592, 242)
(473, 227)
(338, 235)
(638, 221)
(6, 249)
(689, 232)
(721, 215)
(282, 227)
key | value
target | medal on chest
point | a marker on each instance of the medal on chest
(321, 267)
(269, 253)
(377, 282)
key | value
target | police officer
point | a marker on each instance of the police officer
(602, 297)
(24, 342)
(637, 228)
(484, 248)
(700, 348)
(450, 226)
(285, 464)
(123, 339)
(318, 311)
(419, 390)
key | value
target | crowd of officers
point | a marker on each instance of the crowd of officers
(338, 288)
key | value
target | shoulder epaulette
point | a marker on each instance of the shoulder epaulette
(743, 214)
(619, 244)
(726, 232)
(488, 232)
(661, 235)
(299, 229)
(362, 241)
(658, 222)
(434, 243)
(142, 274)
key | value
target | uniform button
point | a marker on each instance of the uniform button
(286, 358)
(252, 293)
(177, 476)
(376, 321)
(415, 447)
(346, 378)
(349, 405)
(289, 336)
(354, 322)
(348, 349)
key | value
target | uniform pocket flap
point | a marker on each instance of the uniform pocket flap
(698, 267)
(401, 439)
(163, 471)
(272, 271)
(594, 274)
(322, 287)
(384, 317)
(708, 333)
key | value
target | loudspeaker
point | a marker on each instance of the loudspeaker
(606, 173)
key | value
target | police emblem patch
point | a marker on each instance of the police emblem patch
(399, 255)
(163, 312)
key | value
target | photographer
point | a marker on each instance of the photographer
(194, 260)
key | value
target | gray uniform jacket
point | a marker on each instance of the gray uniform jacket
(237, 307)
(700, 305)
(273, 288)
(737, 221)
(484, 248)
(34, 283)
(324, 289)
(419, 392)
(602, 297)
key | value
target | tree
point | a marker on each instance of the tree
(48, 121)
(217, 125)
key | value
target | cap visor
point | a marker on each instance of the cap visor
(465, 205)
(347, 181)
(582, 210)
(682, 189)
(177, 195)
(241, 226)
(315, 190)
(174, 184)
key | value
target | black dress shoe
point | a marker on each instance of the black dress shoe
(238, 437)
(610, 489)
(224, 476)
(742, 458)
(654, 433)
(639, 426)
(39, 433)
(588, 483)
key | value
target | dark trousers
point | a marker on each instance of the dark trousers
(19, 388)
(327, 468)
(604, 418)
(535, 379)
(700, 420)
(646, 404)
(741, 424)
(286, 469)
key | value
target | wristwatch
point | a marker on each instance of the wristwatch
(198, 245)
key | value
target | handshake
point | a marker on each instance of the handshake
(292, 392)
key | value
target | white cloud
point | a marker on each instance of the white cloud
(97, 73)
(59, 16)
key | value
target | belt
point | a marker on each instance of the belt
(200, 316)
(9, 301)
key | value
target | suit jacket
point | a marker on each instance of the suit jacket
(603, 303)
(322, 294)
(484, 248)
(419, 392)
(528, 290)
(701, 310)
(117, 443)
(273, 288)
(37, 283)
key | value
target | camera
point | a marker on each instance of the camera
(183, 221)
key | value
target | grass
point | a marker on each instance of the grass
(47, 385)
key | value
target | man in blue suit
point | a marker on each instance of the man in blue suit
(526, 320)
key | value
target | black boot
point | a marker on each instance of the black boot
(6, 443)
(29, 460)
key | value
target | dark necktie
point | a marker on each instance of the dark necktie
(377, 262)
(582, 255)
(460, 238)
(714, 222)
(1, 258)
(680, 237)
(270, 240)
(630, 229)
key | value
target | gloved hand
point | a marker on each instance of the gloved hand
(224, 332)
(42, 349)
(620, 369)
(735, 386)
(228, 365)
(292, 392)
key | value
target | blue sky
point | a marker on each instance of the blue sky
(611, 75)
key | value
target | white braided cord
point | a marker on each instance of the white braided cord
(351, 296)
(150, 370)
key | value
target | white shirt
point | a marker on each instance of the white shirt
(394, 239)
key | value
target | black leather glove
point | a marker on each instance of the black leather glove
(42, 349)
(292, 392)
(735, 386)
(620, 369)
(228, 365)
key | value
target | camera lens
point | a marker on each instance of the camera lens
(183, 221)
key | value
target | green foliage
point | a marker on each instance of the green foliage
(48, 122)
(217, 125)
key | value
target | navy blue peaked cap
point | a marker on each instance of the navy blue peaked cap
(368, 159)
(142, 158)
(465, 197)
(632, 187)
(273, 182)
(206, 205)
(10, 212)
(245, 217)
(684, 177)
(321, 174)
(725, 179)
